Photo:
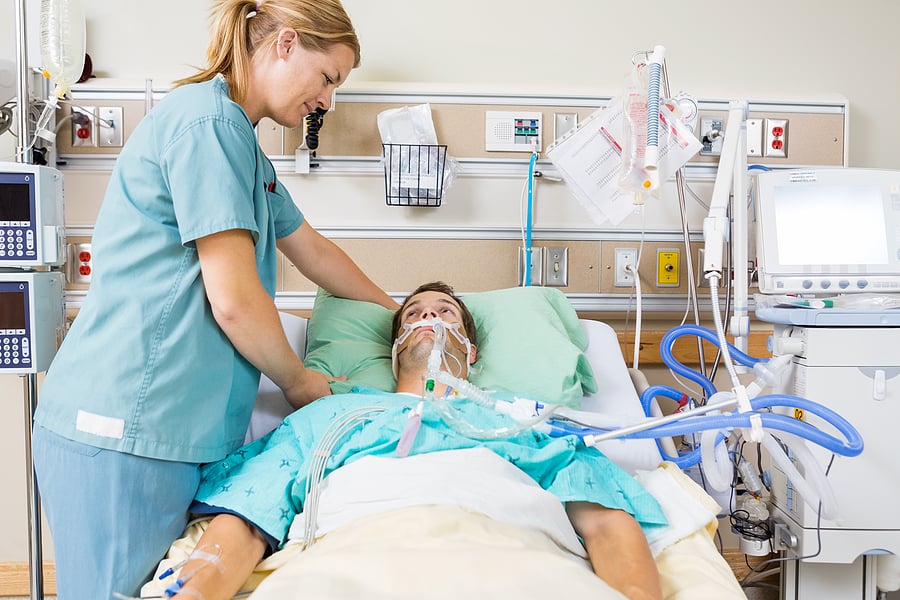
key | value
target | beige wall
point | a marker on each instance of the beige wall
(713, 52)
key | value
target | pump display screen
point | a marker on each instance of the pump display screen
(15, 203)
(12, 311)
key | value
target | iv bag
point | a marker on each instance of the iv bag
(62, 42)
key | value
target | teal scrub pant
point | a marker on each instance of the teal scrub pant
(112, 515)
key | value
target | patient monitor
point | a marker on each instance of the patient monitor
(828, 231)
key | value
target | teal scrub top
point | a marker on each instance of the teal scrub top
(145, 368)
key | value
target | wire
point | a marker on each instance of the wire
(798, 558)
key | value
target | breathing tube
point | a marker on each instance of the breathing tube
(525, 414)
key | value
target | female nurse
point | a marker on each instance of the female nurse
(160, 369)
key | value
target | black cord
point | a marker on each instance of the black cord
(799, 558)
(314, 122)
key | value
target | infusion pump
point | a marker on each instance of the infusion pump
(32, 319)
(32, 222)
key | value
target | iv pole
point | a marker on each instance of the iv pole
(35, 558)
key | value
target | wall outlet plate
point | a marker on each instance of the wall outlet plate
(536, 262)
(556, 266)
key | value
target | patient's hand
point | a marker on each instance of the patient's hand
(310, 385)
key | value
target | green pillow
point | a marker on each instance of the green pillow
(352, 338)
(529, 342)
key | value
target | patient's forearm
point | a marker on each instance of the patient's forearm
(235, 547)
(617, 549)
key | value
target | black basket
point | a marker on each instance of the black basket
(414, 174)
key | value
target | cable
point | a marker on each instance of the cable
(637, 315)
(529, 218)
(781, 559)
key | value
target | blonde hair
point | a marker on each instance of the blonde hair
(242, 27)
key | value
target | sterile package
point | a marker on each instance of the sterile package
(417, 167)
(407, 125)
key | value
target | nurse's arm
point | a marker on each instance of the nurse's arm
(249, 318)
(329, 267)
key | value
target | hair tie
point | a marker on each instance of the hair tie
(252, 13)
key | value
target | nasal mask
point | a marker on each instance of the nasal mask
(441, 329)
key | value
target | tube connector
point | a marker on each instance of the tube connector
(520, 409)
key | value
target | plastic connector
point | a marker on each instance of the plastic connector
(520, 409)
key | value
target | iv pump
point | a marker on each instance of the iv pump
(32, 236)
(32, 226)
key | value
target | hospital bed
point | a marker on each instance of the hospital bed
(488, 537)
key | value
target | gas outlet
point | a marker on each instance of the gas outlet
(667, 267)
(84, 127)
(626, 266)
(535, 270)
(110, 126)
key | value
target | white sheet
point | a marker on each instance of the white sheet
(474, 478)
(479, 480)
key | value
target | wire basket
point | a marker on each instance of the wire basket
(414, 174)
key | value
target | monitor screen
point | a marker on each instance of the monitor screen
(828, 231)
(12, 311)
(15, 202)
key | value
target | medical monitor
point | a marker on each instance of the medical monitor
(828, 231)
(32, 223)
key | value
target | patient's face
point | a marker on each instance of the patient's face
(428, 305)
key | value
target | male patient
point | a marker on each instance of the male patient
(615, 544)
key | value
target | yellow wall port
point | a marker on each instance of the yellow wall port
(667, 267)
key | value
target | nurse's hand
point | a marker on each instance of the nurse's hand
(309, 386)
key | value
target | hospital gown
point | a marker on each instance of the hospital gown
(265, 481)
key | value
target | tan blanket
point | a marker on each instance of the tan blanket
(444, 551)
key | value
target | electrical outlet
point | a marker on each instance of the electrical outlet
(776, 131)
(80, 264)
(626, 260)
(556, 267)
(667, 267)
(84, 127)
(536, 262)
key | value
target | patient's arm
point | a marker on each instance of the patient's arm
(617, 549)
(239, 546)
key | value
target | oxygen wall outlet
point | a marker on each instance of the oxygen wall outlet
(110, 127)
(667, 267)
(84, 127)
(626, 266)
(536, 263)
